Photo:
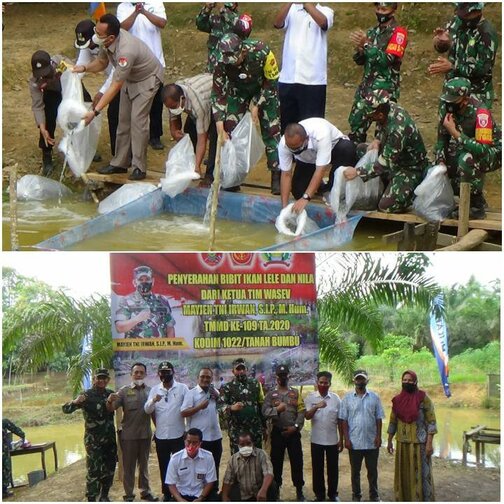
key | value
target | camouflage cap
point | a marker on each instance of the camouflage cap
(240, 361)
(165, 366)
(102, 372)
(230, 47)
(141, 271)
(456, 88)
(392, 5)
(374, 99)
(464, 8)
(243, 26)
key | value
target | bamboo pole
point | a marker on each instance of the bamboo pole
(464, 204)
(13, 207)
(215, 194)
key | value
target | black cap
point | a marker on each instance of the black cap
(360, 372)
(282, 369)
(41, 64)
(102, 372)
(165, 366)
(239, 362)
(83, 33)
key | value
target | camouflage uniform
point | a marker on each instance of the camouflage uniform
(472, 54)
(217, 25)
(382, 68)
(250, 418)
(479, 148)
(99, 440)
(154, 327)
(8, 426)
(255, 81)
(402, 157)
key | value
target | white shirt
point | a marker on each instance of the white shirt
(86, 56)
(322, 137)
(190, 475)
(324, 427)
(143, 28)
(304, 59)
(169, 422)
(206, 420)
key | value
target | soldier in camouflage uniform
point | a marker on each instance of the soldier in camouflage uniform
(247, 74)
(402, 156)
(143, 314)
(472, 43)
(217, 25)
(99, 436)
(469, 141)
(240, 403)
(8, 426)
(380, 51)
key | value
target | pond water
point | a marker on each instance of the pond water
(447, 443)
(38, 221)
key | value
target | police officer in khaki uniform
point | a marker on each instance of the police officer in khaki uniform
(284, 406)
(137, 75)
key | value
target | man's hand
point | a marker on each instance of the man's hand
(377, 441)
(340, 445)
(281, 407)
(299, 205)
(350, 173)
(203, 404)
(113, 397)
(289, 431)
(374, 145)
(46, 136)
(255, 114)
(139, 7)
(348, 444)
(80, 399)
(158, 397)
(78, 69)
(358, 39)
(143, 315)
(221, 132)
(178, 135)
(429, 450)
(321, 404)
(88, 117)
(390, 447)
(441, 66)
(451, 126)
(261, 495)
(97, 98)
(237, 406)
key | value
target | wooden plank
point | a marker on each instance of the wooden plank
(464, 207)
(472, 239)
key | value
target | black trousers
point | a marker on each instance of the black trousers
(215, 447)
(52, 100)
(165, 448)
(293, 445)
(113, 120)
(300, 101)
(190, 129)
(371, 459)
(156, 116)
(332, 456)
(343, 154)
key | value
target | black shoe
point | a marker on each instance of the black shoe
(109, 170)
(104, 498)
(97, 158)
(356, 498)
(156, 144)
(128, 498)
(300, 496)
(137, 174)
(275, 182)
(149, 497)
(6, 494)
(47, 164)
(167, 498)
(235, 188)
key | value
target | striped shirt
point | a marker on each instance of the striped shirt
(197, 91)
(248, 472)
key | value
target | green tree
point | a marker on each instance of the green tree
(349, 303)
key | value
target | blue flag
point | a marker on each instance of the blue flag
(439, 335)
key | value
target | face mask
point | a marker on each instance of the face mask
(144, 287)
(323, 389)
(409, 387)
(245, 451)
(138, 383)
(166, 376)
(242, 378)
(300, 150)
(97, 40)
(452, 108)
(192, 450)
(282, 381)
(383, 18)
(470, 23)
(177, 111)
(360, 386)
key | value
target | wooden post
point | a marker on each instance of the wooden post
(464, 204)
(465, 448)
(85, 179)
(408, 242)
(215, 194)
(13, 207)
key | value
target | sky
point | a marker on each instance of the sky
(86, 273)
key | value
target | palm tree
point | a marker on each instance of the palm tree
(349, 303)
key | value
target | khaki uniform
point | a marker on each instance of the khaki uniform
(136, 65)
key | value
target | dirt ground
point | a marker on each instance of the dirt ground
(452, 481)
(50, 26)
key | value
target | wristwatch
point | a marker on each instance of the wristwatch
(306, 197)
(96, 112)
(297, 426)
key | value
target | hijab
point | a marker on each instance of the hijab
(406, 404)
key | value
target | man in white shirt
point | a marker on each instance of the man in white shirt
(200, 409)
(165, 400)
(322, 408)
(303, 78)
(315, 144)
(191, 473)
(145, 20)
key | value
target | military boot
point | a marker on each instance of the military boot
(275, 182)
(47, 163)
(477, 206)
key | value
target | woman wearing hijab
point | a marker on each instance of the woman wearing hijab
(413, 421)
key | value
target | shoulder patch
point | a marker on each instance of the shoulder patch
(398, 42)
(484, 125)
(270, 68)
(122, 61)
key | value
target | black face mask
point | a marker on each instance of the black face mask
(452, 108)
(360, 386)
(242, 378)
(409, 387)
(383, 18)
(166, 376)
(471, 23)
(282, 381)
(144, 287)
